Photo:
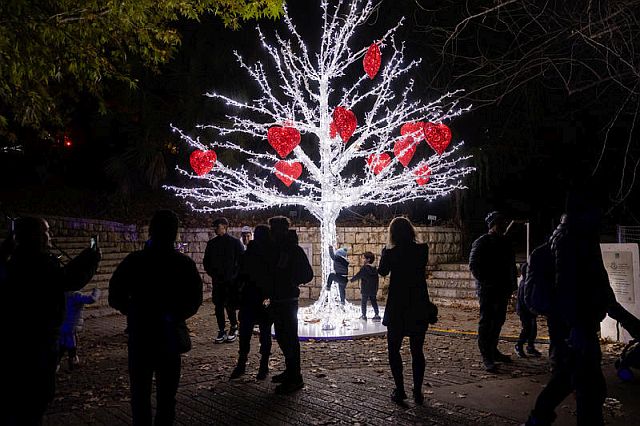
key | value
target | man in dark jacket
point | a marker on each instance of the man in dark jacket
(157, 288)
(222, 262)
(581, 299)
(30, 356)
(290, 268)
(255, 276)
(493, 265)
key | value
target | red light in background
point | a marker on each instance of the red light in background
(67, 142)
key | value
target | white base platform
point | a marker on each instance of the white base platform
(329, 319)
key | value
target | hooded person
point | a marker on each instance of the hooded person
(340, 270)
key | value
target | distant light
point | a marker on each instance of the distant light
(67, 142)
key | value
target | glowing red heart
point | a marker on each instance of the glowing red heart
(423, 173)
(415, 130)
(283, 139)
(333, 131)
(288, 172)
(371, 61)
(202, 161)
(404, 149)
(438, 136)
(345, 122)
(377, 162)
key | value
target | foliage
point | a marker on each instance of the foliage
(52, 52)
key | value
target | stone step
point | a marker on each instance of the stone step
(445, 301)
(465, 275)
(452, 267)
(452, 293)
(447, 283)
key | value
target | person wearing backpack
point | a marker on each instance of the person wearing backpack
(580, 299)
(493, 265)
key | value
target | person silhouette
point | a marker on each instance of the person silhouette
(157, 288)
(29, 379)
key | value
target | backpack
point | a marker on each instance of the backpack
(540, 280)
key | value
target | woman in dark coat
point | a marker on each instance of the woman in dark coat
(407, 310)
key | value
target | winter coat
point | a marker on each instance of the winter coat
(222, 258)
(368, 276)
(75, 302)
(407, 308)
(290, 267)
(45, 280)
(157, 288)
(340, 264)
(582, 284)
(493, 265)
(255, 278)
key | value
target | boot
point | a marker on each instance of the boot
(240, 368)
(263, 371)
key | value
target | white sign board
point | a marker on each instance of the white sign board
(623, 267)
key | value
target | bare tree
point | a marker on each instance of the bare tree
(586, 49)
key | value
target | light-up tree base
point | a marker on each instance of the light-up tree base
(328, 319)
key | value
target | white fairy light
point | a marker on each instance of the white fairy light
(301, 94)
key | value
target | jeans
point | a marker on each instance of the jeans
(285, 321)
(363, 303)
(250, 315)
(416, 345)
(143, 363)
(493, 312)
(529, 330)
(342, 284)
(577, 368)
(220, 296)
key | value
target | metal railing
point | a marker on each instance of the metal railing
(628, 234)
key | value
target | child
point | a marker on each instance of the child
(73, 323)
(527, 319)
(368, 276)
(340, 268)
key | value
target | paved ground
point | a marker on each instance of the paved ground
(346, 382)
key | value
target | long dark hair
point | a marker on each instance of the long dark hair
(401, 232)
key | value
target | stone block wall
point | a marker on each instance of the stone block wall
(117, 240)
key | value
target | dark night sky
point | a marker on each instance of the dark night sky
(528, 148)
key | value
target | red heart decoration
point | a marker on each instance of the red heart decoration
(288, 172)
(283, 139)
(371, 61)
(438, 136)
(404, 149)
(333, 131)
(377, 162)
(345, 122)
(423, 173)
(202, 161)
(416, 130)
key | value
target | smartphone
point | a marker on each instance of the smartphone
(94, 242)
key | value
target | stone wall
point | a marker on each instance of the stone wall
(117, 240)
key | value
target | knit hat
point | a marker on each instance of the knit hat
(342, 252)
(246, 230)
(493, 217)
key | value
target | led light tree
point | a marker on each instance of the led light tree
(360, 125)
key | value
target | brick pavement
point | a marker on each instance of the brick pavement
(346, 381)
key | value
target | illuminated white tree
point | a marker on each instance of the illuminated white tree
(349, 159)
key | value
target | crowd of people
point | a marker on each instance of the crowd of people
(158, 288)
